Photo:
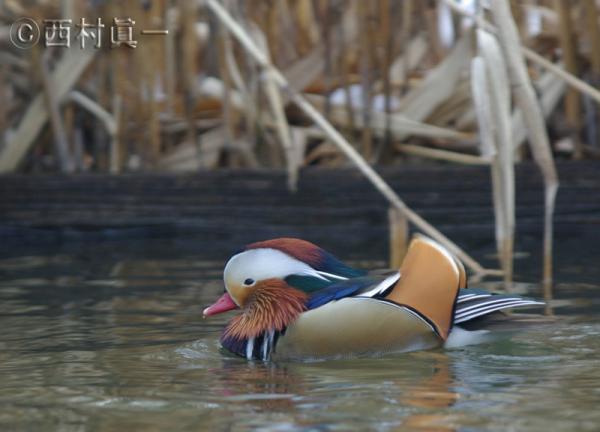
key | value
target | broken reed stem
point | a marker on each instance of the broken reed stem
(282, 128)
(115, 147)
(399, 237)
(345, 72)
(497, 89)
(226, 108)
(388, 38)
(531, 55)
(407, 44)
(445, 155)
(235, 75)
(569, 56)
(366, 79)
(327, 79)
(593, 34)
(527, 102)
(66, 162)
(260, 57)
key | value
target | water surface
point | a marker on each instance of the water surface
(97, 340)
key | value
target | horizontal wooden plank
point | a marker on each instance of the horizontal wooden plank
(450, 197)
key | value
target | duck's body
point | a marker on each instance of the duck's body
(300, 302)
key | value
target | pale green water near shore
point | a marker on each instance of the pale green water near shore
(102, 345)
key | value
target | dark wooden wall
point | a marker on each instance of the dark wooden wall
(222, 210)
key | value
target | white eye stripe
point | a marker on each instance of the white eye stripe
(261, 264)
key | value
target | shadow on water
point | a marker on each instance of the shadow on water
(109, 335)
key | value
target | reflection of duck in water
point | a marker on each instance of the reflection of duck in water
(299, 301)
(424, 395)
(434, 393)
(266, 386)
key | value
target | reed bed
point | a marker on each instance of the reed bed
(312, 82)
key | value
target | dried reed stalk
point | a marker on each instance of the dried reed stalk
(63, 77)
(345, 69)
(235, 74)
(227, 111)
(170, 57)
(400, 126)
(592, 31)
(438, 86)
(366, 80)
(445, 155)
(413, 53)
(569, 57)
(399, 236)
(275, 100)
(336, 138)
(307, 28)
(108, 120)
(531, 55)
(61, 146)
(497, 90)
(326, 17)
(388, 41)
(534, 119)
(551, 89)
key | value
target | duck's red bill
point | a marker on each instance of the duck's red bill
(223, 304)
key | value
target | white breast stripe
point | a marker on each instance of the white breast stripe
(271, 337)
(249, 348)
(265, 347)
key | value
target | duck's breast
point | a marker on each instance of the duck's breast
(354, 327)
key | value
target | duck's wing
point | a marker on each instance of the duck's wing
(427, 283)
(475, 303)
(375, 284)
(380, 313)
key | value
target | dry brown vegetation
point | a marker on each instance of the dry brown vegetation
(393, 76)
(400, 80)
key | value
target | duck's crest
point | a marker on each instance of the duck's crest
(311, 254)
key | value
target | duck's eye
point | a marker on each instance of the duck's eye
(249, 282)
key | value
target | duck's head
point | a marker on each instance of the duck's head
(270, 282)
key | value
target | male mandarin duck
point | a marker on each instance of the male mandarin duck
(298, 301)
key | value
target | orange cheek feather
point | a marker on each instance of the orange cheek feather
(270, 305)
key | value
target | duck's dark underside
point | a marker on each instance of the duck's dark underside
(337, 208)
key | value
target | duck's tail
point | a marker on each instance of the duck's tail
(476, 303)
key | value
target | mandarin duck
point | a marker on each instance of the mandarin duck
(298, 301)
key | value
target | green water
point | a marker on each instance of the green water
(95, 342)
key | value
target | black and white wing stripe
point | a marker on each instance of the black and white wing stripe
(383, 287)
(375, 284)
(472, 304)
